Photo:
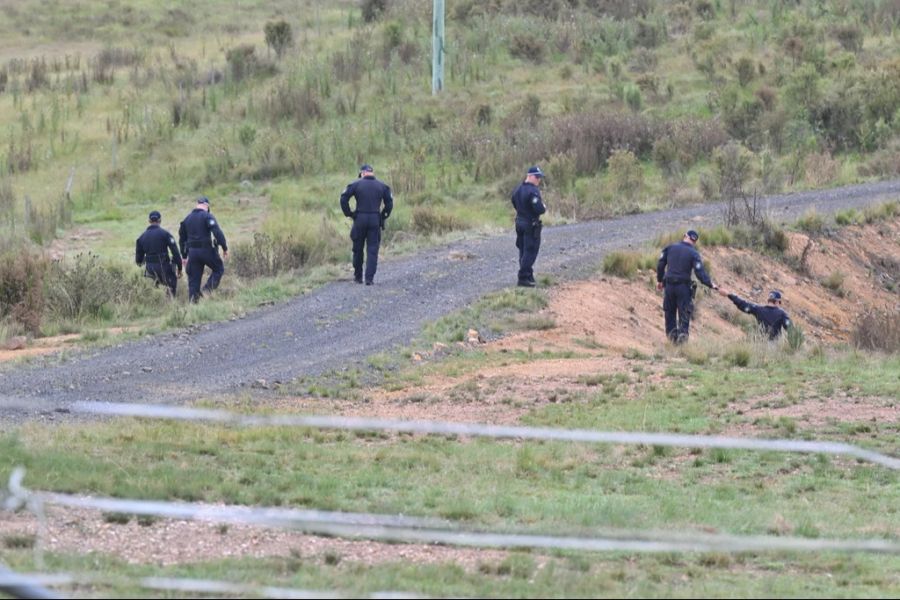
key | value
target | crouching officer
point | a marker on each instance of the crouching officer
(368, 219)
(152, 250)
(771, 318)
(199, 250)
(526, 199)
(673, 273)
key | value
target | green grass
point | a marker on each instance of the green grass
(518, 575)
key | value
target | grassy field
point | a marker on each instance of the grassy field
(627, 106)
(550, 488)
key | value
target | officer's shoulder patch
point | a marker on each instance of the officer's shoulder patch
(699, 265)
(662, 254)
(171, 240)
(212, 221)
(535, 199)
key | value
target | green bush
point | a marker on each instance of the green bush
(266, 256)
(88, 288)
(428, 220)
(811, 222)
(627, 264)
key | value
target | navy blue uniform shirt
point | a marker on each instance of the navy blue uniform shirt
(681, 259)
(369, 193)
(526, 199)
(154, 246)
(772, 318)
(196, 229)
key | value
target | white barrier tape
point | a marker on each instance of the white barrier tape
(195, 586)
(385, 528)
(488, 431)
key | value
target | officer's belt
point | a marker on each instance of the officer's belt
(368, 212)
(199, 245)
(678, 281)
(156, 257)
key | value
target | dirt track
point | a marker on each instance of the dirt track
(340, 324)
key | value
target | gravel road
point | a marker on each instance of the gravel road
(341, 323)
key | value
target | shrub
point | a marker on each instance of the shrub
(746, 70)
(811, 222)
(279, 36)
(86, 288)
(267, 256)
(835, 283)
(878, 329)
(627, 264)
(625, 174)
(851, 216)
(22, 276)
(633, 97)
(525, 46)
(244, 63)
(434, 221)
(849, 35)
(593, 137)
(373, 9)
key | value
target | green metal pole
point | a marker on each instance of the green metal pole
(437, 47)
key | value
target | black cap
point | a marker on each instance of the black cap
(155, 216)
(366, 168)
(775, 295)
(536, 171)
(693, 235)
(203, 200)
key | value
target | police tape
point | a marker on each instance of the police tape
(482, 430)
(38, 581)
(388, 528)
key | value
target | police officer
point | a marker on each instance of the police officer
(199, 250)
(152, 250)
(526, 199)
(368, 217)
(771, 317)
(673, 273)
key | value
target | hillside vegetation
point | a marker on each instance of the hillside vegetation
(110, 109)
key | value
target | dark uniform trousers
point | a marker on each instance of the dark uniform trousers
(366, 232)
(678, 304)
(162, 272)
(528, 241)
(198, 259)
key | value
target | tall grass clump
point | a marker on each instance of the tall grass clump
(627, 264)
(878, 329)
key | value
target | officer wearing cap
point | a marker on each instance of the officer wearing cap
(526, 199)
(673, 274)
(771, 318)
(374, 204)
(200, 236)
(152, 250)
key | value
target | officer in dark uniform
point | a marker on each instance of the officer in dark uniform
(526, 199)
(199, 250)
(152, 250)
(673, 273)
(368, 219)
(771, 317)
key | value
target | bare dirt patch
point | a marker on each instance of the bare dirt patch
(162, 542)
(820, 412)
